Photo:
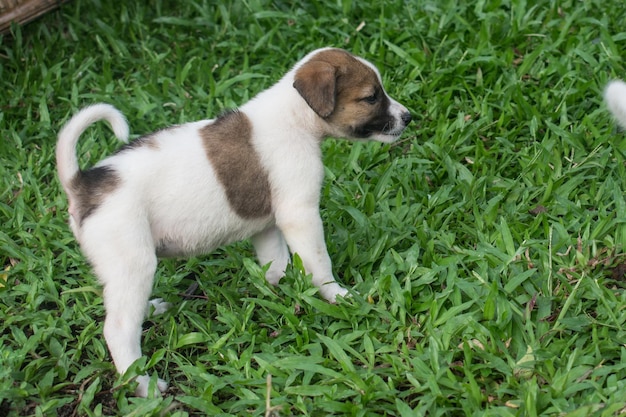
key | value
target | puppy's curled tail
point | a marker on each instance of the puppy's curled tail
(67, 161)
(615, 98)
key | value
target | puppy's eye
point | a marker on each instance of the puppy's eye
(370, 99)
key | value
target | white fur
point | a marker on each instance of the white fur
(615, 97)
(170, 193)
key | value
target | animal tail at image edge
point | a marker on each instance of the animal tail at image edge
(615, 98)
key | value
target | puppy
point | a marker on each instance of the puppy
(255, 172)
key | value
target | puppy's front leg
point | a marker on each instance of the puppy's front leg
(304, 233)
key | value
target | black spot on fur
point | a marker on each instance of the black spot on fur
(91, 188)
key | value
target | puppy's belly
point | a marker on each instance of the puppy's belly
(202, 235)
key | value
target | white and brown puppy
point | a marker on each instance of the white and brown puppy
(251, 173)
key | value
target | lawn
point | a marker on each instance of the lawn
(485, 249)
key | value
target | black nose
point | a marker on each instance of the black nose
(406, 118)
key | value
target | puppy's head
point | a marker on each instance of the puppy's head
(347, 93)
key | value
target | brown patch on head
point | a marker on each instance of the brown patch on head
(345, 92)
(228, 145)
(315, 81)
(90, 189)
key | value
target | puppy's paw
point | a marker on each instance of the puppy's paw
(143, 386)
(333, 290)
(157, 306)
(274, 276)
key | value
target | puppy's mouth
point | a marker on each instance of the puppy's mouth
(387, 132)
(395, 131)
(387, 137)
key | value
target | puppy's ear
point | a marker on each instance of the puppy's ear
(315, 81)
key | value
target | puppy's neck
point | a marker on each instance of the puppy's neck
(287, 112)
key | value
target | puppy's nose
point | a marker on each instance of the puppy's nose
(406, 118)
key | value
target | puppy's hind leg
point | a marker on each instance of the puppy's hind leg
(271, 247)
(125, 264)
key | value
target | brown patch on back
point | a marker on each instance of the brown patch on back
(345, 92)
(90, 189)
(228, 145)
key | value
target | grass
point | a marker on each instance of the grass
(486, 248)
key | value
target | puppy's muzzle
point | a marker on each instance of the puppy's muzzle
(406, 118)
(398, 124)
